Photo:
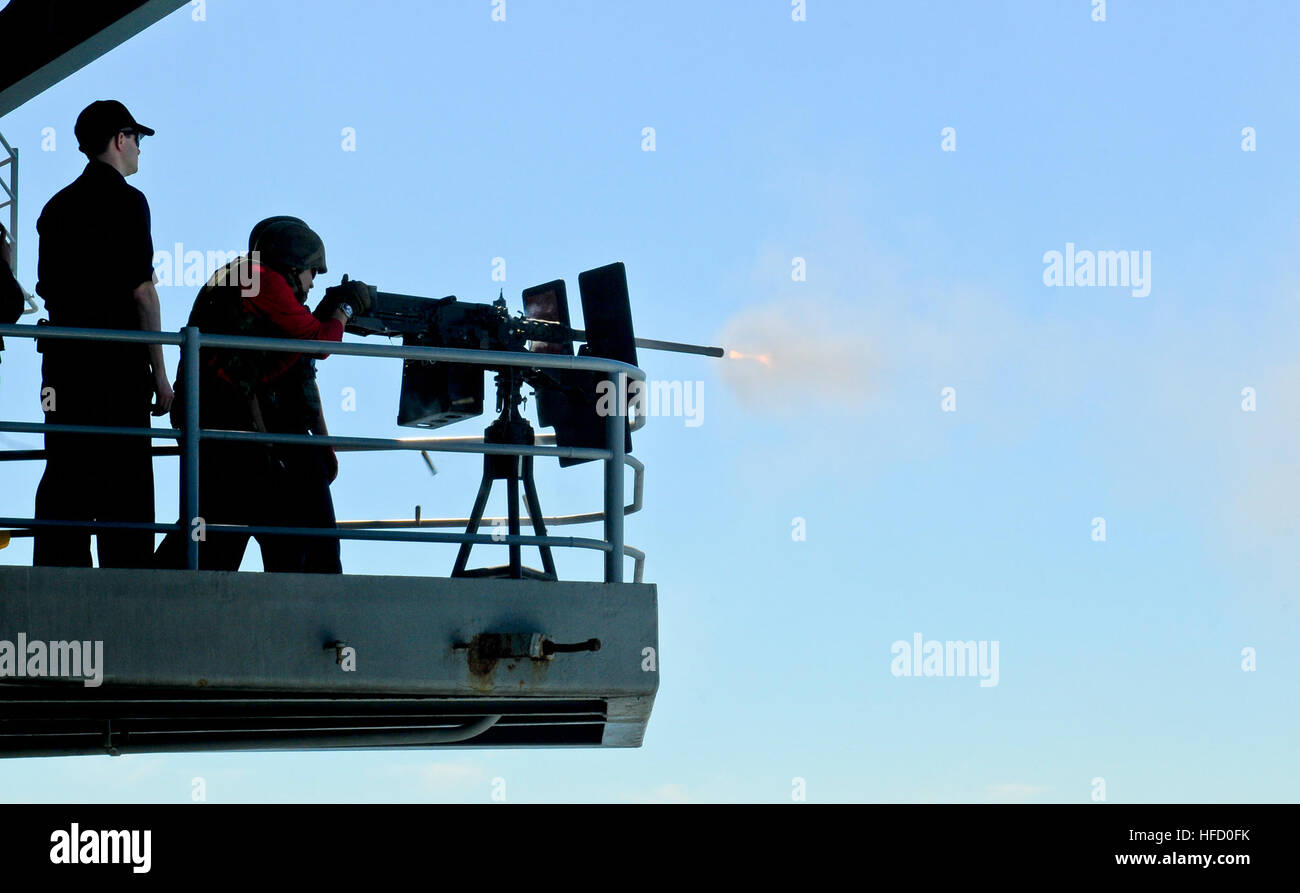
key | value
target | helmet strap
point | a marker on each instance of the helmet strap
(291, 275)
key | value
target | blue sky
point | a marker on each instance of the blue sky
(821, 140)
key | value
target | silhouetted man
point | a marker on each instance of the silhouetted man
(279, 485)
(96, 271)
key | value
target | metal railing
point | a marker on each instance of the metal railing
(191, 435)
(9, 200)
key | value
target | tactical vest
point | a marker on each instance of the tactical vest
(231, 378)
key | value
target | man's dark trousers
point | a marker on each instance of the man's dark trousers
(301, 498)
(235, 483)
(95, 477)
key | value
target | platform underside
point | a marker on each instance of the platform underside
(198, 660)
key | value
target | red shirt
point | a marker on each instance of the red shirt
(275, 303)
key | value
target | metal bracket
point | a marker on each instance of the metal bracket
(108, 740)
(534, 646)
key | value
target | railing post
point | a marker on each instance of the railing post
(615, 425)
(190, 445)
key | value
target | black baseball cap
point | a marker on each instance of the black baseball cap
(102, 120)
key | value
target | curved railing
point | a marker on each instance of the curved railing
(191, 340)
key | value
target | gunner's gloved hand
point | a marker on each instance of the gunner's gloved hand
(355, 293)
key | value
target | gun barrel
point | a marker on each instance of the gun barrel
(395, 313)
(675, 346)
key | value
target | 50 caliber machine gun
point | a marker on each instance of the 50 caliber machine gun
(439, 393)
